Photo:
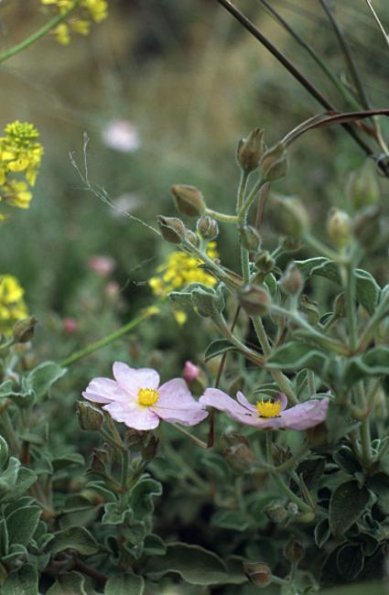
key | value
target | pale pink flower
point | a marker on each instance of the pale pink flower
(136, 399)
(268, 414)
(121, 135)
(70, 325)
(191, 371)
(102, 265)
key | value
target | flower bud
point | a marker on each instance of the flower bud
(100, 460)
(190, 372)
(367, 228)
(292, 281)
(310, 309)
(287, 216)
(294, 550)
(339, 227)
(263, 262)
(274, 163)
(89, 417)
(238, 453)
(250, 150)
(258, 573)
(192, 238)
(289, 244)
(254, 300)
(172, 229)
(188, 200)
(23, 330)
(362, 186)
(250, 238)
(149, 450)
(276, 512)
(207, 228)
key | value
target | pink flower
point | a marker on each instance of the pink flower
(268, 414)
(70, 325)
(190, 371)
(136, 399)
(102, 265)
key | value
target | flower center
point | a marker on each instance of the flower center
(269, 408)
(147, 396)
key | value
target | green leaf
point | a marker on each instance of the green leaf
(295, 355)
(9, 476)
(361, 589)
(125, 584)
(115, 515)
(154, 545)
(142, 496)
(70, 584)
(373, 363)
(22, 523)
(22, 581)
(367, 289)
(345, 458)
(350, 561)
(322, 533)
(26, 478)
(379, 484)
(217, 348)
(4, 540)
(74, 538)
(230, 519)
(193, 563)
(4, 453)
(43, 377)
(348, 502)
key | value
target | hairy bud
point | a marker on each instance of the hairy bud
(292, 281)
(188, 200)
(294, 550)
(274, 163)
(264, 263)
(362, 186)
(172, 229)
(250, 150)
(367, 228)
(207, 301)
(258, 573)
(89, 417)
(207, 228)
(339, 228)
(287, 216)
(23, 330)
(254, 299)
(250, 238)
(276, 512)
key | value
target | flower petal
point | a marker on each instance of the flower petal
(104, 390)
(219, 400)
(133, 415)
(176, 404)
(244, 402)
(305, 415)
(284, 400)
(131, 379)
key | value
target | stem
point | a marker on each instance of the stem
(278, 376)
(350, 307)
(38, 34)
(244, 253)
(378, 21)
(222, 216)
(252, 356)
(318, 246)
(194, 439)
(96, 345)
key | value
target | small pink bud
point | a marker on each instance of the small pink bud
(70, 325)
(191, 372)
(102, 265)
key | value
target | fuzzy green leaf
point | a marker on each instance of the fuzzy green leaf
(4, 454)
(69, 584)
(217, 348)
(40, 380)
(373, 363)
(22, 523)
(350, 561)
(74, 538)
(348, 501)
(230, 519)
(24, 581)
(295, 355)
(125, 584)
(193, 563)
(142, 496)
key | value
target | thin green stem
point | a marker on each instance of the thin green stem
(51, 24)
(124, 470)
(240, 200)
(278, 376)
(223, 217)
(194, 439)
(245, 207)
(252, 356)
(318, 246)
(351, 306)
(96, 345)
(378, 21)
(111, 441)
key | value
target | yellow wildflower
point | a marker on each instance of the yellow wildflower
(181, 269)
(20, 157)
(12, 305)
(86, 11)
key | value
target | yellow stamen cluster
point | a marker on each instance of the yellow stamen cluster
(12, 306)
(179, 270)
(20, 158)
(147, 396)
(269, 408)
(80, 20)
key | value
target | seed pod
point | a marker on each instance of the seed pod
(172, 229)
(188, 200)
(250, 150)
(254, 300)
(207, 228)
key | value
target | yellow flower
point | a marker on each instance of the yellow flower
(12, 305)
(85, 12)
(20, 157)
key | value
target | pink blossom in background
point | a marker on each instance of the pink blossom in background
(112, 290)
(102, 265)
(191, 371)
(121, 135)
(70, 325)
(135, 398)
(299, 417)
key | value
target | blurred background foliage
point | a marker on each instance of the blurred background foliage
(192, 82)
